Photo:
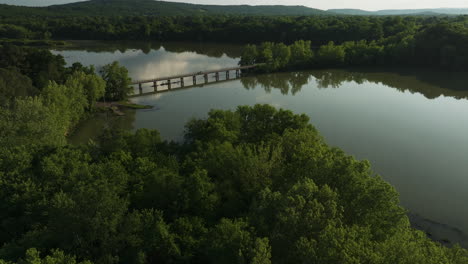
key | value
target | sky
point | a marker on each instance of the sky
(320, 4)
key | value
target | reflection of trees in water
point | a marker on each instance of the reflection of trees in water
(122, 122)
(334, 78)
(429, 83)
(93, 127)
(285, 82)
(209, 49)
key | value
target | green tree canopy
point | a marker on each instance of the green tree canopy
(117, 81)
(255, 185)
(13, 84)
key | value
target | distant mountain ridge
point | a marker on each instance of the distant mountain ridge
(155, 8)
(393, 12)
(164, 8)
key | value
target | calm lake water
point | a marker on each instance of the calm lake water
(412, 125)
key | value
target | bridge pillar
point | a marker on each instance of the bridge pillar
(182, 82)
(169, 84)
(194, 80)
(206, 78)
(140, 88)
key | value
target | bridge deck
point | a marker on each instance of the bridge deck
(179, 88)
(194, 74)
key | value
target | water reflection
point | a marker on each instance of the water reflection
(285, 82)
(430, 83)
(155, 63)
(146, 60)
(209, 49)
(93, 127)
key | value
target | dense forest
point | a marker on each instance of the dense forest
(241, 29)
(253, 185)
(439, 45)
(356, 40)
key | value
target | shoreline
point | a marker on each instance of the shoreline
(117, 106)
(439, 232)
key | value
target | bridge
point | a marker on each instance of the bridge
(181, 78)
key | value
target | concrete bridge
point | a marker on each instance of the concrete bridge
(181, 78)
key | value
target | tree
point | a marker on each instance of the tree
(249, 55)
(331, 55)
(363, 53)
(40, 65)
(30, 121)
(148, 238)
(281, 56)
(78, 67)
(57, 257)
(265, 53)
(92, 86)
(232, 241)
(68, 102)
(301, 53)
(13, 84)
(13, 31)
(117, 81)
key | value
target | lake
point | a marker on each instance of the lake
(411, 124)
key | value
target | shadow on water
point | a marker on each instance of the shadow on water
(215, 50)
(93, 127)
(430, 83)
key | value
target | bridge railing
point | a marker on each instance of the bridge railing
(194, 74)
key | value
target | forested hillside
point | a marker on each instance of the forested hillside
(153, 8)
(402, 12)
(164, 8)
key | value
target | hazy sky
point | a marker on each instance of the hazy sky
(321, 4)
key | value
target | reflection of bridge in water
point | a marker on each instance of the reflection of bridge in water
(179, 82)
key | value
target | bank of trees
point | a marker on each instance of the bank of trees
(440, 48)
(117, 81)
(254, 185)
(412, 40)
(41, 100)
(240, 29)
(320, 29)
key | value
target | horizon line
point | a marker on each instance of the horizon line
(335, 8)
